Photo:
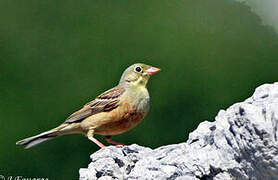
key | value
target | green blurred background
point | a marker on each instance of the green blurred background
(57, 55)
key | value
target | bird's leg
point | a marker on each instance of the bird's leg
(109, 140)
(90, 135)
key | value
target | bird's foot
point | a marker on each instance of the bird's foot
(117, 144)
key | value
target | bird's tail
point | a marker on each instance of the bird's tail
(45, 136)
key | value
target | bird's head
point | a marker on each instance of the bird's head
(137, 75)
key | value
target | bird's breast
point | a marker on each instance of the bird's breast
(123, 119)
(140, 99)
(132, 108)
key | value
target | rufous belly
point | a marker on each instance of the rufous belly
(114, 122)
(120, 126)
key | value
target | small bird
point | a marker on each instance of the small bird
(112, 112)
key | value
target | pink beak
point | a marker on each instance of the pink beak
(152, 70)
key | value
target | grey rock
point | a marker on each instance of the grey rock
(240, 144)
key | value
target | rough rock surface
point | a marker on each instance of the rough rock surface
(240, 144)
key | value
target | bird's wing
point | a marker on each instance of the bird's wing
(107, 101)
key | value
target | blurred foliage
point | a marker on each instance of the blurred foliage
(57, 55)
(267, 10)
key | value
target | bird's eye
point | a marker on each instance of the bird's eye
(138, 69)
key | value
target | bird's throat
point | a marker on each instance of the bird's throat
(140, 98)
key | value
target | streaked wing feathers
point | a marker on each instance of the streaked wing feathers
(111, 93)
(107, 101)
